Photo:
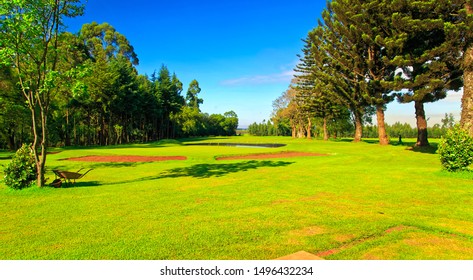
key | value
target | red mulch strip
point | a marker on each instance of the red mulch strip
(269, 156)
(127, 158)
(328, 253)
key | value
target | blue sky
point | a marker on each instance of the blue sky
(242, 52)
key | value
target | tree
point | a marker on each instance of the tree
(466, 121)
(168, 90)
(125, 103)
(230, 123)
(448, 121)
(29, 36)
(370, 20)
(428, 56)
(102, 41)
(110, 58)
(192, 99)
(343, 66)
(14, 115)
(315, 94)
(286, 107)
(190, 122)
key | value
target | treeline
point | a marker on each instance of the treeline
(365, 54)
(104, 101)
(335, 130)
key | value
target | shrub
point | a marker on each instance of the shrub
(456, 149)
(20, 173)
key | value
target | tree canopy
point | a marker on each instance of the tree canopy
(364, 54)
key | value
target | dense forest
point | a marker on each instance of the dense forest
(61, 89)
(364, 55)
(98, 98)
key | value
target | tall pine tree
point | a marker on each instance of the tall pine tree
(345, 67)
(369, 24)
(429, 56)
(314, 94)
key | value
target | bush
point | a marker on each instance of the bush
(456, 149)
(20, 173)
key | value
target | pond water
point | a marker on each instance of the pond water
(239, 145)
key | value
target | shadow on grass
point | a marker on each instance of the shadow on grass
(351, 140)
(98, 165)
(432, 149)
(202, 171)
(409, 144)
(82, 184)
(218, 170)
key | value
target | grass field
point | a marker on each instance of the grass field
(362, 201)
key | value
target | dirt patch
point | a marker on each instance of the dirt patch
(398, 228)
(272, 155)
(328, 253)
(127, 158)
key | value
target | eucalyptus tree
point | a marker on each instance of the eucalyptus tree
(288, 107)
(108, 51)
(29, 37)
(192, 98)
(230, 124)
(103, 41)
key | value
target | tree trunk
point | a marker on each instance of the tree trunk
(309, 127)
(75, 130)
(466, 121)
(383, 137)
(42, 159)
(467, 99)
(358, 127)
(325, 129)
(422, 139)
(301, 131)
(11, 139)
(35, 145)
(110, 131)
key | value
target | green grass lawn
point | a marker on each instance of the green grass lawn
(362, 201)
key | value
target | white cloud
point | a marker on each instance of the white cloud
(285, 76)
(454, 96)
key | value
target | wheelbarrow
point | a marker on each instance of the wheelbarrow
(68, 176)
